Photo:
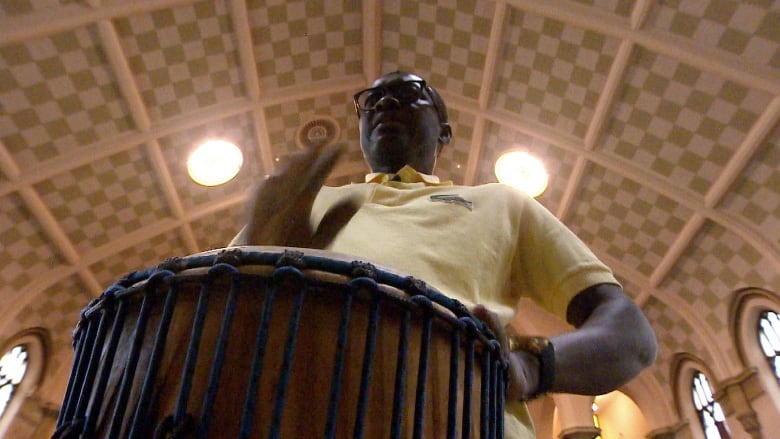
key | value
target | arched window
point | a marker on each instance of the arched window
(769, 339)
(713, 422)
(13, 366)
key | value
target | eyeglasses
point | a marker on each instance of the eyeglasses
(405, 93)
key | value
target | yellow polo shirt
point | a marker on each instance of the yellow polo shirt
(488, 244)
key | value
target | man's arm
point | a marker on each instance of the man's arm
(279, 207)
(613, 342)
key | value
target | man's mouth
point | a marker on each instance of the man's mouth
(388, 125)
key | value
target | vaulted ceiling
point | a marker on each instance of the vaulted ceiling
(657, 120)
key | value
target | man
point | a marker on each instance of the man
(486, 246)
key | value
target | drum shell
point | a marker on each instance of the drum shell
(323, 298)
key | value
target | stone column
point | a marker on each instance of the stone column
(676, 431)
(579, 433)
(735, 397)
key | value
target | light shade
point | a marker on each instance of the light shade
(522, 171)
(214, 162)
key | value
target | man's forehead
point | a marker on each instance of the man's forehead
(396, 77)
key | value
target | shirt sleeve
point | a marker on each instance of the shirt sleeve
(551, 264)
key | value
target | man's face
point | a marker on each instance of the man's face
(400, 131)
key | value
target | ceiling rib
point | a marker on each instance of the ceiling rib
(741, 158)
(753, 140)
(372, 40)
(325, 87)
(123, 142)
(709, 59)
(475, 151)
(130, 240)
(246, 56)
(600, 114)
(491, 57)
(118, 62)
(730, 66)
(619, 166)
(31, 292)
(248, 63)
(67, 17)
(48, 223)
(8, 166)
(639, 14)
(747, 233)
(488, 77)
(680, 244)
(57, 236)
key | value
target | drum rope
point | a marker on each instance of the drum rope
(153, 286)
(452, 394)
(221, 269)
(368, 352)
(338, 367)
(468, 376)
(108, 361)
(94, 361)
(484, 412)
(261, 340)
(400, 376)
(292, 275)
(180, 412)
(422, 368)
(86, 389)
(132, 361)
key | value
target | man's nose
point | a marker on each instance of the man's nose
(387, 102)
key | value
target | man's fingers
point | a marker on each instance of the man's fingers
(324, 164)
(280, 205)
(494, 323)
(333, 221)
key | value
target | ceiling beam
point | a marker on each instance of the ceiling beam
(123, 142)
(486, 86)
(117, 60)
(678, 48)
(741, 158)
(623, 168)
(66, 17)
(734, 168)
(246, 55)
(248, 62)
(372, 40)
(600, 115)
(606, 101)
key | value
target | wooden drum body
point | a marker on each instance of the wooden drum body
(261, 342)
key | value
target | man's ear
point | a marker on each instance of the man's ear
(446, 133)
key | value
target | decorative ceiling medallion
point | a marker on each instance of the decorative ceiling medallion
(316, 131)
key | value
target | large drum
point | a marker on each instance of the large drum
(280, 343)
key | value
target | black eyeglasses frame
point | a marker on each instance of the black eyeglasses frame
(425, 90)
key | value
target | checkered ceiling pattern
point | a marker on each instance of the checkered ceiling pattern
(657, 120)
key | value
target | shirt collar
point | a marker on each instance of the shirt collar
(407, 174)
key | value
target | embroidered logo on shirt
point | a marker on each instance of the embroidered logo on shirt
(453, 199)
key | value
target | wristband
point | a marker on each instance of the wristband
(543, 350)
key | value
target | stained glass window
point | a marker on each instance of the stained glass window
(13, 366)
(713, 422)
(769, 338)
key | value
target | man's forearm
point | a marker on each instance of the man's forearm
(612, 343)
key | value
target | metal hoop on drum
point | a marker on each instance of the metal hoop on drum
(252, 342)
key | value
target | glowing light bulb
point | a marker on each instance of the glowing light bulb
(214, 162)
(522, 171)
